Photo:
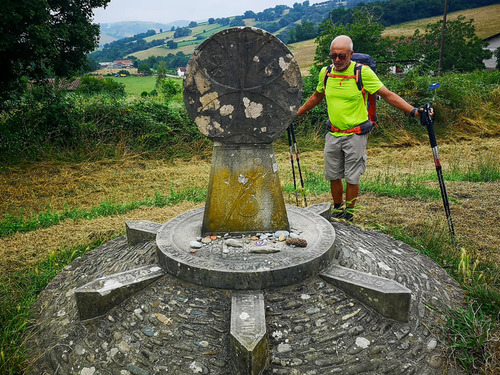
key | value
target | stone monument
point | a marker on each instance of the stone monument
(217, 290)
(243, 88)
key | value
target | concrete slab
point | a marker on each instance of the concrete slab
(139, 231)
(322, 209)
(249, 344)
(99, 296)
(389, 298)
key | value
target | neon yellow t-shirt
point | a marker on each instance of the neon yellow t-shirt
(345, 104)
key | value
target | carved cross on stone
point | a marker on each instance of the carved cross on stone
(243, 87)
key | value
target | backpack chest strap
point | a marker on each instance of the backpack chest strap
(340, 76)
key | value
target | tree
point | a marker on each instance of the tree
(464, 51)
(249, 14)
(169, 88)
(171, 44)
(144, 69)
(237, 21)
(38, 38)
(182, 31)
(193, 24)
(303, 31)
(161, 72)
(365, 32)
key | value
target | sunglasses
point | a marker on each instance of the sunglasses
(341, 56)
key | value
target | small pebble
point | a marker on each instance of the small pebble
(202, 344)
(206, 240)
(195, 244)
(234, 243)
(148, 331)
(278, 233)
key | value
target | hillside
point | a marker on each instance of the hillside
(117, 30)
(180, 42)
(279, 20)
(485, 20)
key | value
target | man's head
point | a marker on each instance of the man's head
(341, 51)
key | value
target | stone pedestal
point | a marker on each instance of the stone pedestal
(244, 192)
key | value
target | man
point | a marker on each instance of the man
(345, 152)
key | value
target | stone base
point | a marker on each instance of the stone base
(177, 327)
(220, 265)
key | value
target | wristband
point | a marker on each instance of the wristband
(412, 113)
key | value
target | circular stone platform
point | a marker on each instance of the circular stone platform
(174, 327)
(271, 264)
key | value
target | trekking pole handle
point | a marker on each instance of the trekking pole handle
(427, 121)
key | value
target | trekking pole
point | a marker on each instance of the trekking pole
(427, 121)
(289, 132)
(298, 163)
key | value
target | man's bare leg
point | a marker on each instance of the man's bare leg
(337, 191)
(351, 194)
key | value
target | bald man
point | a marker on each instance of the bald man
(345, 152)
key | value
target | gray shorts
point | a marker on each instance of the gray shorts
(345, 157)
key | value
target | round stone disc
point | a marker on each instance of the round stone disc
(243, 85)
(251, 266)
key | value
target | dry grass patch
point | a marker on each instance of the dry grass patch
(25, 250)
(32, 189)
(304, 53)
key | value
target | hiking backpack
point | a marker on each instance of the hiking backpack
(360, 59)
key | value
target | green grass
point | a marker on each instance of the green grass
(12, 224)
(18, 293)
(394, 185)
(136, 85)
(486, 170)
(389, 185)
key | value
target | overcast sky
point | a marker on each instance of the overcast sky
(165, 11)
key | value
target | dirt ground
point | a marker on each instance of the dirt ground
(37, 188)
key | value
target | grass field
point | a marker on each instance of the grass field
(486, 21)
(136, 85)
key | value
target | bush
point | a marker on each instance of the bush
(56, 123)
(90, 85)
(460, 96)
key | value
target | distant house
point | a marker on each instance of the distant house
(493, 44)
(181, 71)
(121, 64)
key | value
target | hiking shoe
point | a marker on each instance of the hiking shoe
(337, 211)
(348, 215)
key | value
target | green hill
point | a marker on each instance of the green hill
(300, 22)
